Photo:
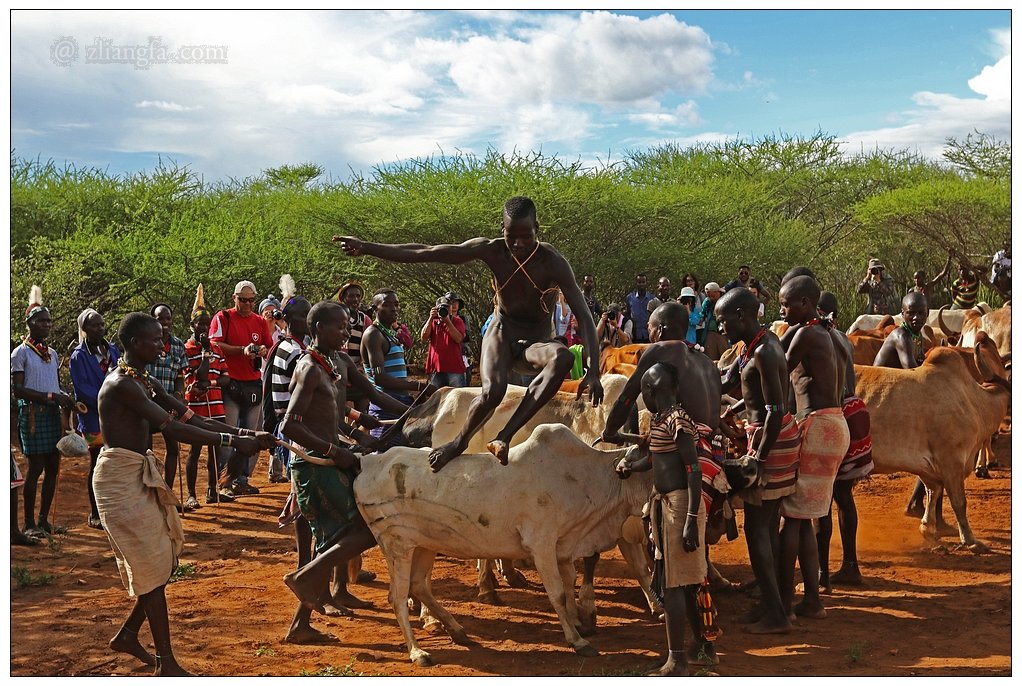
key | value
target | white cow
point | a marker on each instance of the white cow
(442, 417)
(557, 500)
(953, 319)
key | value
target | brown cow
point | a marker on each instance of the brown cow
(996, 324)
(931, 421)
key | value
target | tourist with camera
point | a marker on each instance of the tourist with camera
(879, 286)
(245, 339)
(444, 331)
(270, 310)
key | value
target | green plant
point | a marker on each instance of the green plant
(331, 670)
(184, 570)
(265, 650)
(855, 653)
(24, 577)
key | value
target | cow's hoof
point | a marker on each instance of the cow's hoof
(979, 548)
(422, 659)
(432, 626)
(414, 606)
(983, 473)
(928, 533)
(461, 638)
(586, 650)
(490, 598)
(586, 629)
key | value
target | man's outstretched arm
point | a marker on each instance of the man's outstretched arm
(474, 249)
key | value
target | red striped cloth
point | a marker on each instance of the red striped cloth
(780, 468)
(858, 461)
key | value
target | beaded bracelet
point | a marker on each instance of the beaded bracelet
(226, 440)
(693, 515)
(293, 417)
(774, 408)
(693, 469)
(354, 415)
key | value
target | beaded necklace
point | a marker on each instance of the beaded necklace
(917, 343)
(388, 333)
(320, 359)
(747, 353)
(39, 347)
(140, 375)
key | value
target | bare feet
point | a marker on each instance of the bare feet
(127, 642)
(95, 523)
(18, 538)
(347, 600)
(671, 668)
(765, 627)
(499, 449)
(305, 634)
(169, 667)
(444, 454)
(308, 599)
(810, 610)
(848, 575)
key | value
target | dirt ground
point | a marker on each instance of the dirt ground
(923, 610)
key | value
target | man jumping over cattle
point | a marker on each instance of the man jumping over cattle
(682, 387)
(526, 276)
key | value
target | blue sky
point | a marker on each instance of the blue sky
(350, 90)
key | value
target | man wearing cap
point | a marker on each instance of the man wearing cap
(91, 361)
(879, 286)
(40, 401)
(267, 308)
(245, 339)
(444, 331)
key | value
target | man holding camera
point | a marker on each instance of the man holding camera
(444, 331)
(245, 339)
(879, 286)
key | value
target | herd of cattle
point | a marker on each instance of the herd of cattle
(558, 499)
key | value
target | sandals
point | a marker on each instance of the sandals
(192, 504)
(95, 523)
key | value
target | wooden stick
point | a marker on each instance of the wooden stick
(323, 462)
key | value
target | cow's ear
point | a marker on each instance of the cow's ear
(988, 360)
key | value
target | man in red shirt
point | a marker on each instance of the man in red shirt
(245, 338)
(444, 331)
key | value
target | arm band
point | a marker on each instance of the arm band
(354, 415)
(693, 469)
(331, 452)
(293, 417)
(163, 425)
(690, 514)
(774, 408)
(187, 415)
(226, 440)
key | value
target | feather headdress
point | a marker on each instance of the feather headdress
(35, 303)
(287, 288)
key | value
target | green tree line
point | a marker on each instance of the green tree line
(122, 243)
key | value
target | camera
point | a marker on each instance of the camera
(277, 314)
(443, 307)
(875, 270)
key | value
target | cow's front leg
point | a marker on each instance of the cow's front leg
(549, 572)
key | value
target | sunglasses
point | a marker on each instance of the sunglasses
(244, 300)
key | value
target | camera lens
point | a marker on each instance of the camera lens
(443, 310)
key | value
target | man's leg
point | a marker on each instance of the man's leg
(758, 523)
(228, 458)
(826, 524)
(809, 563)
(456, 380)
(170, 465)
(848, 524)
(674, 620)
(155, 604)
(94, 521)
(36, 465)
(17, 537)
(50, 474)
(702, 651)
(495, 363)
(126, 640)
(248, 419)
(192, 467)
(556, 361)
(309, 582)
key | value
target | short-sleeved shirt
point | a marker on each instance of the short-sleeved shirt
(171, 364)
(751, 283)
(965, 292)
(444, 354)
(882, 296)
(282, 370)
(639, 315)
(39, 375)
(665, 429)
(230, 327)
(212, 403)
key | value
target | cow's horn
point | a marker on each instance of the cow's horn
(940, 321)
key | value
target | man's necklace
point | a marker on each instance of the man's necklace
(320, 359)
(390, 334)
(140, 375)
(749, 349)
(917, 343)
(39, 347)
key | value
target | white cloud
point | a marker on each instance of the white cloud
(939, 116)
(165, 106)
(685, 114)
